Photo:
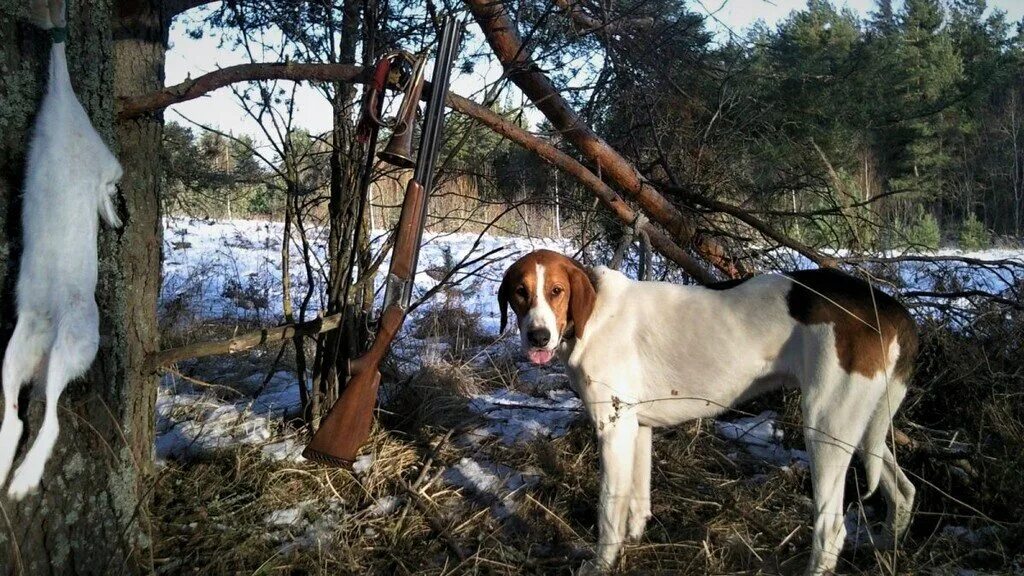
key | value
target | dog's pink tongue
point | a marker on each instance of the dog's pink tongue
(539, 355)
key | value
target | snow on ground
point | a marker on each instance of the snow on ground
(232, 270)
(489, 483)
(515, 417)
(297, 527)
(762, 437)
(191, 423)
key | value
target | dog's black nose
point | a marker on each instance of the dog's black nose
(539, 337)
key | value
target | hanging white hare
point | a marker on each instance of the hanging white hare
(70, 182)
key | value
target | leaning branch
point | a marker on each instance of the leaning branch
(194, 88)
(760, 225)
(660, 240)
(243, 342)
(503, 37)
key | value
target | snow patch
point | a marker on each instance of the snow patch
(362, 464)
(192, 424)
(385, 506)
(514, 417)
(493, 484)
(762, 437)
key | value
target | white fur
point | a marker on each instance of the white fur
(70, 182)
(540, 316)
(682, 353)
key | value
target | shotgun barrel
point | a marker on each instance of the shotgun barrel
(347, 425)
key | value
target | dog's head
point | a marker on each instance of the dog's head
(552, 297)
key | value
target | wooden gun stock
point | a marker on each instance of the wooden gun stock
(347, 425)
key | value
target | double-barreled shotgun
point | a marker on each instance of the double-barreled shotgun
(347, 425)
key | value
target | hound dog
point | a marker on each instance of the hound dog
(648, 354)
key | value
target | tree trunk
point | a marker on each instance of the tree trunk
(337, 347)
(89, 515)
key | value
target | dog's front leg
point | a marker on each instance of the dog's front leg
(640, 497)
(617, 438)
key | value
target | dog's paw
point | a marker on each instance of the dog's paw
(636, 524)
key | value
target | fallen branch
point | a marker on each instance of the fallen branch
(660, 240)
(194, 88)
(433, 521)
(503, 37)
(956, 295)
(244, 342)
(760, 225)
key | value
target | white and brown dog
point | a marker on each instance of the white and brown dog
(647, 354)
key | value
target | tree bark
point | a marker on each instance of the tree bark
(89, 515)
(334, 348)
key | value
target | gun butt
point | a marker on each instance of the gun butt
(347, 425)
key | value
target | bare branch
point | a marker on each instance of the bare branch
(245, 341)
(194, 88)
(190, 89)
(590, 24)
(504, 39)
(761, 226)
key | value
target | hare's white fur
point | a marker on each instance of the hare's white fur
(70, 182)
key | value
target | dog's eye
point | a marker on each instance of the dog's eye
(556, 290)
(522, 292)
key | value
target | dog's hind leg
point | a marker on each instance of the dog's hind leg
(74, 348)
(882, 469)
(640, 498)
(837, 407)
(24, 353)
(899, 495)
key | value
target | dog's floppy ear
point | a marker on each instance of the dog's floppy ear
(581, 297)
(503, 294)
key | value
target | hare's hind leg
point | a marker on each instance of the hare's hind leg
(74, 348)
(24, 353)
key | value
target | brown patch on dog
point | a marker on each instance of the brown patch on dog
(568, 289)
(830, 296)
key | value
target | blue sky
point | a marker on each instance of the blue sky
(192, 57)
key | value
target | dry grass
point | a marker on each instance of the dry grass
(714, 512)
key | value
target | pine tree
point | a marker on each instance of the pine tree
(929, 71)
